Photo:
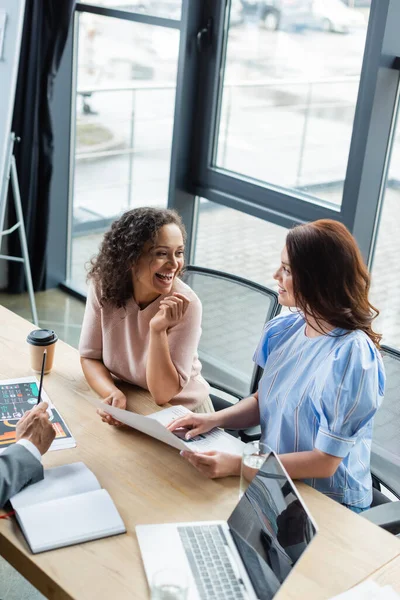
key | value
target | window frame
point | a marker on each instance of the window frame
(64, 118)
(196, 111)
(365, 175)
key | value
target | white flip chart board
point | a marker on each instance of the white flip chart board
(11, 25)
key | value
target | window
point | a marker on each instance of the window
(125, 100)
(290, 82)
(169, 9)
(385, 280)
(230, 241)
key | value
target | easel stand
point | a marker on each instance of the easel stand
(11, 172)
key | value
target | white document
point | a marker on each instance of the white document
(155, 426)
(144, 424)
(369, 590)
(216, 439)
(67, 507)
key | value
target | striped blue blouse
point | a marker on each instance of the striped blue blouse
(321, 393)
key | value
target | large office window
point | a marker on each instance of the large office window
(247, 246)
(385, 279)
(124, 108)
(283, 114)
(289, 90)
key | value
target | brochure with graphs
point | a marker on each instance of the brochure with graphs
(67, 507)
(17, 396)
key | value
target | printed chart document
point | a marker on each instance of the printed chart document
(155, 425)
(67, 507)
(17, 396)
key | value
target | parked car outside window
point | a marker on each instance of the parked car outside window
(335, 16)
(328, 15)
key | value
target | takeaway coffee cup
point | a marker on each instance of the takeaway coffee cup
(40, 340)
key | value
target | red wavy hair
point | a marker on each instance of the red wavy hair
(330, 279)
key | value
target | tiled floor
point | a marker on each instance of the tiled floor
(14, 587)
(56, 310)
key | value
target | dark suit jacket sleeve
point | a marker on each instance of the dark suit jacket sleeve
(18, 468)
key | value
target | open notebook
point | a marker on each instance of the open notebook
(67, 507)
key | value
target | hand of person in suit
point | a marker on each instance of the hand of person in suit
(36, 427)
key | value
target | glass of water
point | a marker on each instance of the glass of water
(254, 455)
(170, 584)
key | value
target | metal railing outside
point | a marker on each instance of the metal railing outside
(305, 102)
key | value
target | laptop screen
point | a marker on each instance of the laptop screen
(271, 528)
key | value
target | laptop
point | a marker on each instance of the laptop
(246, 558)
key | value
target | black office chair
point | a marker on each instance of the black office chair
(385, 454)
(234, 313)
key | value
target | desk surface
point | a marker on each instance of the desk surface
(150, 483)
(389, 574)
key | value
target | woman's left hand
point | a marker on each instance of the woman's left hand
(172, 309)
(214, 464)
(115, 398)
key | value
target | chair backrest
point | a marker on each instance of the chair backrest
(385, 457)
(234, 313)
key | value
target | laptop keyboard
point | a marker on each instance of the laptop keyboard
(205, 548)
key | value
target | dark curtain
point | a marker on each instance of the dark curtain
(45, 31)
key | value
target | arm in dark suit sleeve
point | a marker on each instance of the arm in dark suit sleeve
(18, 468)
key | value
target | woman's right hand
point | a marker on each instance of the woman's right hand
(117, 399)
(197, 423)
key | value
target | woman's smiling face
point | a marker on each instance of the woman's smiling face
(285, 283)
(160, 262)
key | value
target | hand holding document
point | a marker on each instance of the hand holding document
(156, 423)
(193, 424)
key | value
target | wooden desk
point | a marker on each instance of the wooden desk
(389, 574)
(150, 483)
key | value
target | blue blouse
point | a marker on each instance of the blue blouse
(322, 393)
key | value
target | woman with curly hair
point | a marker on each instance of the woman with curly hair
(142, 324)
(323, 377)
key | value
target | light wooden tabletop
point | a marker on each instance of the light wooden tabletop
(389, 574)
(150, 483)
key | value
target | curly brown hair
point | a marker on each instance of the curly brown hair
(330, 279)
(121, 248)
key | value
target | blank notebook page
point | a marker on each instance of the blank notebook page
(70, 520)
(58, 482)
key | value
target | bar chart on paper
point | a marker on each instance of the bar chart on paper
(19, 396)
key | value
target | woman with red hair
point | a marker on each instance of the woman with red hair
(323, 375)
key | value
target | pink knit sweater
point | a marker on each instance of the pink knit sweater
(120, 338)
